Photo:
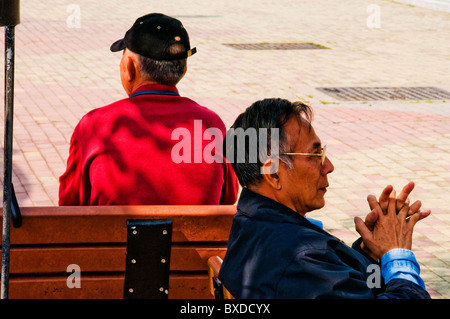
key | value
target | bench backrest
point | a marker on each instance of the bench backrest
(94, 238)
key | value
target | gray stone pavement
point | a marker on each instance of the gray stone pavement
(63, 70)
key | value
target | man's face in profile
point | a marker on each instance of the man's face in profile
(304, 186)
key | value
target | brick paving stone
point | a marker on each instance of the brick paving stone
(63, 72)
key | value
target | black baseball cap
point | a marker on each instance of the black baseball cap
(151, 36)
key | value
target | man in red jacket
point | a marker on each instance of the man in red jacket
(128, 152)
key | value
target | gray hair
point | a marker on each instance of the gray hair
(163, 72)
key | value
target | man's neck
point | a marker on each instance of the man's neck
(267, 191)
(136, 85)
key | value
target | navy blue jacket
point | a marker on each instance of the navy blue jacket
(273, 252)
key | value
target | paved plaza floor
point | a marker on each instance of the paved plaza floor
(64, 69)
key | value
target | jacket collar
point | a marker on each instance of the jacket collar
(259, 207)
(155, 87)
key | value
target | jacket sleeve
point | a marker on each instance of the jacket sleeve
(73, 191)
(403, 289)
(230, 187)
(331, 274)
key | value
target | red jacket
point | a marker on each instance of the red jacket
(126, 153)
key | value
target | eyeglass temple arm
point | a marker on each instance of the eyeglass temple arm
(308, 154)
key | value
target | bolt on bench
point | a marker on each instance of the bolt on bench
(119, 251)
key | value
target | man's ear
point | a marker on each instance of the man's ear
(128, 68)
(269, 171)
(131, 68)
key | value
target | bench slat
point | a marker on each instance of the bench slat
(181, 286)
(100, 258)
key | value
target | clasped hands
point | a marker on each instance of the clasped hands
(391, 222)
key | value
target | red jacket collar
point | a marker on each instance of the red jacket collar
(155, 87)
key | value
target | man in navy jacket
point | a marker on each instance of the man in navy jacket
(274, 251)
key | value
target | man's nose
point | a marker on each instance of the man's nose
(327, 167)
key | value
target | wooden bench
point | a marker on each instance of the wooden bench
(95, 239)
(217, 289)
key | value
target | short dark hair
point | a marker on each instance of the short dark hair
(269, 114)
(164, 72)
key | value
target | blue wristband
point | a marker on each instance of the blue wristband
(401, 264)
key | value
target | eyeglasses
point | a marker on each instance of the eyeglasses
(321, 155)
